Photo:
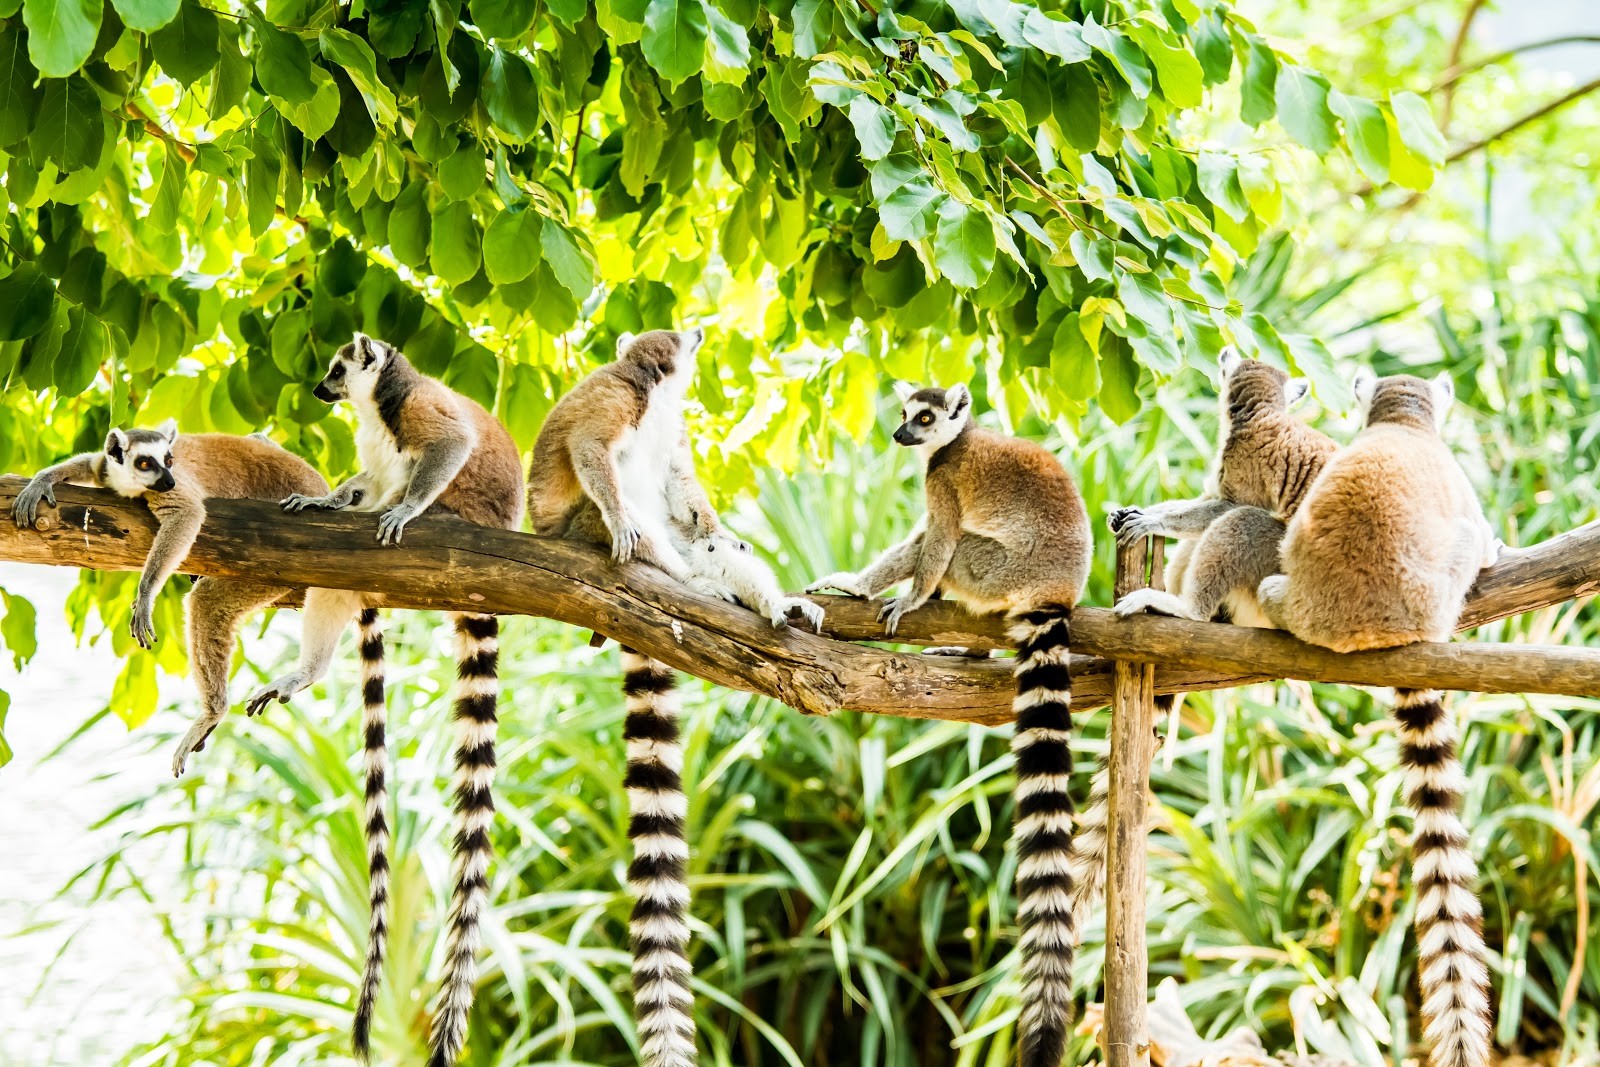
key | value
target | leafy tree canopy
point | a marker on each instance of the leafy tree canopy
(205, 199)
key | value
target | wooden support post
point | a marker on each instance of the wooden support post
(1132, 748)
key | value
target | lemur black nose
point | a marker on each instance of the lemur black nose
(902, 436)
(322, 393)
(165, 483)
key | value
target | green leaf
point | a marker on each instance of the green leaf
(963, 246)
(730, 46)
(410, 225)
(69, 132)
(263, 178)
(355, 56)
(907, 213)
(1177, 69)
(19, 97)
(1415, 123)
(283, 64)
(571, 267)
(146, 15)
(1367, 133)
(1303, 109)
(511, 95)
(1075, 105)
(20, 629)
(1074, 366)
(874, 125)
(463, 173)
(1056, 36)
(457, 248)
(1312, 358)
(187, 47)
(511, 245)
(1219, 180)
(504, 19)
(316, 116)
(61, 33)
(1258, 98)
(1213, 47)
(674, 40)
(81, 353)
(1093, 255)
(1119, 379)
(27, 296)
(340, 269)
(1124, 55)
(813, 25)
(163, 217)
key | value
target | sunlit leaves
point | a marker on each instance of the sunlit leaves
(1366, 132)
(511, 245)
(568, 262)
(1415, 124)
(457, 245)
(19, 630)
(1258, 88)
(963, 245)
(283, 63)
(355, 56)
(82, 350)
(874, 126)
(61, 33)
(68, 132)
(19, 97)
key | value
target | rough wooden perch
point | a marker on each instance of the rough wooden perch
(448, 565)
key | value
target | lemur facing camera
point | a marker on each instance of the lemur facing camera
(1382, 553)
(424, 446)
(1229, 536)
(176, 474)
(1006, 531)
(1227, 543)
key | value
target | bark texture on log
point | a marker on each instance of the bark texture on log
(449, 565)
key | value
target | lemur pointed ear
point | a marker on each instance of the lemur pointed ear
(1296, 390)
(624, 339)
(1364, 384)
(903, 390)
(957, 399)
(364, 349)
(1444, 397)
(169, 430)
(1228, 361)
(116, 444)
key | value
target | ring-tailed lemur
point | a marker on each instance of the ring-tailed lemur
(1006, 530)
(422, 445)
(176, 474)
(612, 466)
(1382, 553)
(1228, 542)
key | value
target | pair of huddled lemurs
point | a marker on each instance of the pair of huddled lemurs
(612, 465)
(1372, 546)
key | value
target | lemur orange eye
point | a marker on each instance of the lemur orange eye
(925, 418)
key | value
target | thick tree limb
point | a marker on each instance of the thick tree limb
(448, 565)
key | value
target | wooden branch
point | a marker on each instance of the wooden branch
(448, 565)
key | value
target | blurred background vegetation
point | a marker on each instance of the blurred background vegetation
(851, 882)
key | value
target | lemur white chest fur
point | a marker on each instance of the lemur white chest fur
(387, 467)
(644, 453)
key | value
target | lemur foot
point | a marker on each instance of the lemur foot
(893, 609)
(193, 741)
(299, 502)
(843, 581)
(1154, 601)
(625, 542)
(279, 689)
(811, 613)
(959, 651)
(1132, 524)
(142, 627)
(25, 509)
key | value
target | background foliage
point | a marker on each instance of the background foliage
(1072, 205)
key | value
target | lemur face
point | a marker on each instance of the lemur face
(931, 418)
(668, 355)
(140, 461)
(354, 371)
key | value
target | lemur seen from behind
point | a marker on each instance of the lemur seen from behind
(1382, 553)
(176, 473)
(1006, 531)
(424, 447)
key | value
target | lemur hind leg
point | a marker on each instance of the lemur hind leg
(1221, 572)
(327, 613)
(213, 609)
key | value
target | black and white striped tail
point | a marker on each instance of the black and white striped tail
(663, 1004)
(1043, 832)
(477, 688)
(1451, 959)
(376, 821)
